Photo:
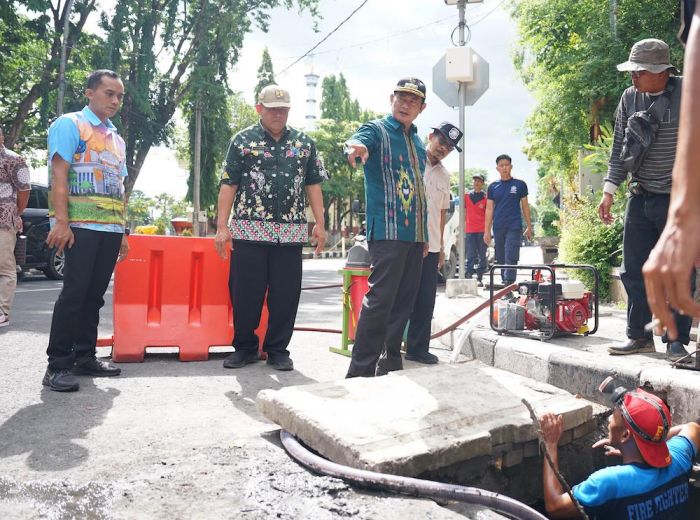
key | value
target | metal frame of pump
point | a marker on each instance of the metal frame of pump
(544, 333)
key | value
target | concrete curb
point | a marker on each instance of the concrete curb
(580, 369)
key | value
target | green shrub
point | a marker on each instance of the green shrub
(548, 222)
(586, 240)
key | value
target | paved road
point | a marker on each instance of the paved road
(168, 439)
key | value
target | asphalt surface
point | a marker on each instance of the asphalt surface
(168, 439)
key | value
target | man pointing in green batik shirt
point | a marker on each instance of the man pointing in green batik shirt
(394, 161)
(270, 172)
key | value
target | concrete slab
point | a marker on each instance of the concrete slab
(418, 420)
(457, 287)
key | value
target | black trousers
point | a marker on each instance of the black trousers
(418, 338)
(257, 269)
(76, 314)
(393, 285)
(645, 218)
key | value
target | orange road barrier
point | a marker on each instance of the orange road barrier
(172, 292)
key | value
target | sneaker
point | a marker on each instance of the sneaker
(4, 320)
(675, 350)
(426, 358)
(633, 346)
(241, 358)
(91, 366)
(282, 363)
(60, 381)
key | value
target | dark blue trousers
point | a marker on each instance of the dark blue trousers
(418, 337)
(476, 254)
(507, 243)
(645, 218)
(76, 314)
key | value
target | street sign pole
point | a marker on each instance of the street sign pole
(461, 93)
(462, 124)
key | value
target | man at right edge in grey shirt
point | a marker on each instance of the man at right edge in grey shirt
(648, 190)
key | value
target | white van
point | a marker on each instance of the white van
(450, 241)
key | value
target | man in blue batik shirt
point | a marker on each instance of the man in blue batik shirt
(651, 482)
(394, 160)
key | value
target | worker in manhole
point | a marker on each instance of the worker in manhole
(652, 480)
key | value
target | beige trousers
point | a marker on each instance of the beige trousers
(8, 269)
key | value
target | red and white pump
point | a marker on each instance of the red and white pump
(546, 305)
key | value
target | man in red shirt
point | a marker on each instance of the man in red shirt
(475, 216)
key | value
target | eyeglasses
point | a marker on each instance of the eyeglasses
(408, 99)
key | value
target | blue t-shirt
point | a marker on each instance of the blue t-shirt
(632, 492)
(506, 197)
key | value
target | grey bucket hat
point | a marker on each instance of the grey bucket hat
(651, 55)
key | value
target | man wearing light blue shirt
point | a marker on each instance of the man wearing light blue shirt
(87, 163)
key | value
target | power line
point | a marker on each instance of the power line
(325, 38)
(386, 37)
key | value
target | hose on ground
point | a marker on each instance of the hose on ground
(407, 485)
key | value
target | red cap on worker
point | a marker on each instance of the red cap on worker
(648, 419)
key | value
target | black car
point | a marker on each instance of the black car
(36, 227)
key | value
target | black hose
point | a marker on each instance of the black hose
(408, 485)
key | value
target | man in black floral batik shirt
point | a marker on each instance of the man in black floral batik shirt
(270, 171)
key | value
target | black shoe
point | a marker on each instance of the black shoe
(285, 364)
(479, 283)
(384, 366)
(675, 350)
(633, 346)
(91, 366)
(60, 381)
(426, 358)
(241, 358)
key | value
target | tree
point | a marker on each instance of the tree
(219, 123)
(266, 74)
(567, 57)
(202, 41)
(345, 183)
(139, 209)
(468, 174)
(156, 48)
(338, 105)
(37, 39)
(30, 46)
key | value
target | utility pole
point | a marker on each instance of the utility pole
(62, 64)
(462, 155)
(197, 172)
